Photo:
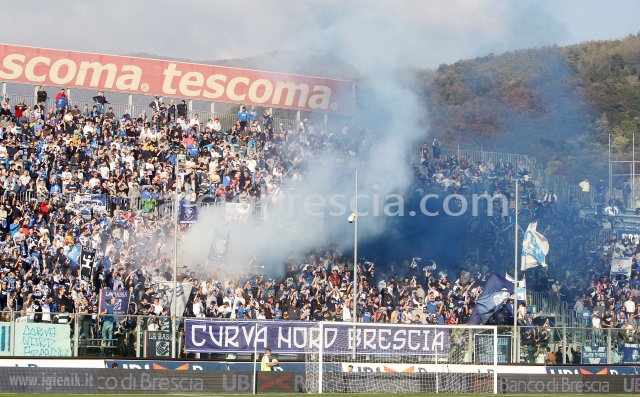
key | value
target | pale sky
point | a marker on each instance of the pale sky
(417, 33)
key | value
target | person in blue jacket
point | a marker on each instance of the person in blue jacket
(243, 117)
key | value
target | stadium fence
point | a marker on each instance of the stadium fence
(147, 336)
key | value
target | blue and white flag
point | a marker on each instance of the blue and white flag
(188, 213)
(621, 266)
(535, 248)
(522, 287)
(119, 299)
(74, 253)
(594, 355)
(492, 298)
(219, 246)
(631, 353)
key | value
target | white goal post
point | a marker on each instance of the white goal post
(401, 358)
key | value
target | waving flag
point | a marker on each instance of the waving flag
(188, 213)
(621, 266)
(522, 287)
(74, 253)
(164, 291)
(492, 298)
(219, 246)
(535, 248)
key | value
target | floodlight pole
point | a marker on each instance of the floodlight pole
(355, 271)
(633, 169)
(174, 305)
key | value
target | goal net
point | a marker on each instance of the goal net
(391, 358)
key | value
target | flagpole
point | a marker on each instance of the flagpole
(515, 286)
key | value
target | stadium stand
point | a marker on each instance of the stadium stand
(84, 175)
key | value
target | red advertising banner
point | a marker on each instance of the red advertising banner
(29, 65)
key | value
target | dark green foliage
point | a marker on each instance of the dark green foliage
(557, 104)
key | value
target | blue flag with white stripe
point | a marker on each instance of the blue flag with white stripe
(74, 253)
(535, 248)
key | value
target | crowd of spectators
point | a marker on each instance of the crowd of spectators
(51, 156)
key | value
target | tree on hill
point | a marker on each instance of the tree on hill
(558, 104)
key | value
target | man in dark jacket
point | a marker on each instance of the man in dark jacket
(182, 109)
(577, 355)
(562, 357)
(100, 100)
(41, 95)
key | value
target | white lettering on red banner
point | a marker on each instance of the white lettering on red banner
(131, 75)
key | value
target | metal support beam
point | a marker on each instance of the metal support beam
(516, 355)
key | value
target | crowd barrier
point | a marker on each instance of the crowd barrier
(108, 203)
(544, 180)
(81, 335)
(227, 120)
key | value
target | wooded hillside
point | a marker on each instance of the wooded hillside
(557, 104)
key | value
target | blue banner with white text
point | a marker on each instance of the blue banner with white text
(119, 300)
(214, 336)
(594, 355)
(631, 353)
(188, 213)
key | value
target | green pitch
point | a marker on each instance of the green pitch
(324, 395)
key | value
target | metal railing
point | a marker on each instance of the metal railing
(162, 208)
(600, 236)
(569, 191)
(541, 177)
(126, 335)
(573, 345)
(545, 302)
(491, 157)
(227, 120)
